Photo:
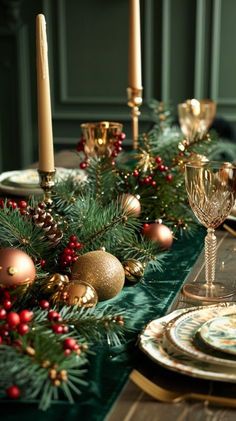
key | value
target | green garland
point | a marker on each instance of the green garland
(92, 211)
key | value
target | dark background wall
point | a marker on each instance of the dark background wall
(188, 51)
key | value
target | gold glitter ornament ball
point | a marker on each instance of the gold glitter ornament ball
(134, 270)
(102, 270)
(80, 294)
(16, 268)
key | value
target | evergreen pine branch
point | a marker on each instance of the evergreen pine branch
(102, 177)
(144, 250)
(19, 231)
(66, 192)
(95, 324)
(101, 225)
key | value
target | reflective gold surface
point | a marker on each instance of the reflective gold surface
(211, 191)
(135, 101)
(100, 136)
(196, 117)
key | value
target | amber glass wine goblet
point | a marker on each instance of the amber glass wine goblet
(211, 192)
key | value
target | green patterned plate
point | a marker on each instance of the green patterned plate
(220, 333)
(180, 333)
(152, 343)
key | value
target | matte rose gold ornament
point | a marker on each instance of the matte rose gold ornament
(16, 268)
(80, 294)
(131, 205)
(102, 270)
(159, 233)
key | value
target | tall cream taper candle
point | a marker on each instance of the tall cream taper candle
(135, 66)
(46, 154)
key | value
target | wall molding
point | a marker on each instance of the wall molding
(166, 62)
(24, 102)
(200, 64)
(216, 49)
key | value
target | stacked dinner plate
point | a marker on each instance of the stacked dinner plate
(199, 342)
(26, 182)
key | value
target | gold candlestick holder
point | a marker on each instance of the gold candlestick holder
(135, 101)
(47, 182)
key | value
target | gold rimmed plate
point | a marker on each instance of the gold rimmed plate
(26, 182)
(181, 332)
(152, 343)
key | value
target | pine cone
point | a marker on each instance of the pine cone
(43, 219)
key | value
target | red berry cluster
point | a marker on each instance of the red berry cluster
(70, 345)
(68, 256)
(163, 168)
(21, 205)
(58, 327)
(12, 321)
(117, 145)
(148, 180)
(116, 148)
(80, 145)
(56, 322)
(54, 317)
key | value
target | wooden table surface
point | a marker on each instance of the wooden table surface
(135, 405)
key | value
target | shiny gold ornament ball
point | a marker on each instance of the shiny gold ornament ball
(134, 270)
(16, 268)
(102, 270)
(131, 205)
(159, 233)
(80, 294)
(55, 283)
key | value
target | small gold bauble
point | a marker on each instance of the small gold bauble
(134, 270)
(102, 270)
(159, 233)
(55, 283)
(131, 205)
(80, 294)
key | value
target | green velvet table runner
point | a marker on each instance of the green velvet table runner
(110, 367)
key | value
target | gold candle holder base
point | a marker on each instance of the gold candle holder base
(47, 182)
(135, 101)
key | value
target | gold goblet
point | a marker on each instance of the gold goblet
(100, 137)
(211, 189)
(196, 117)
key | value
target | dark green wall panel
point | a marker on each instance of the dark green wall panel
(187, 51)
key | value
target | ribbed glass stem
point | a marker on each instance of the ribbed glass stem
(210, 256)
